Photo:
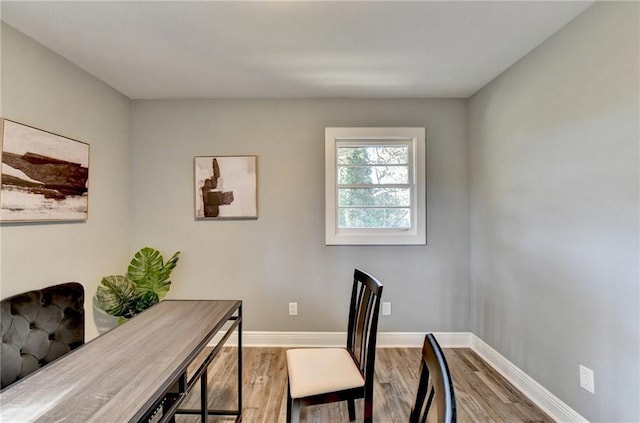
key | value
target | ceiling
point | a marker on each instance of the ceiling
(291, 49)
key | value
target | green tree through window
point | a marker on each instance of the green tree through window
(373, 185)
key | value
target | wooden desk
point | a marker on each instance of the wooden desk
(130, 371)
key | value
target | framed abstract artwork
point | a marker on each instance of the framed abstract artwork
(44, 175)
(226, 187)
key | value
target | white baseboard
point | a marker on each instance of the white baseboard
(538, 394)
(339, 339)
(293, 339)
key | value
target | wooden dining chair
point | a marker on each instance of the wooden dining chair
(435, 386)
(324, 375)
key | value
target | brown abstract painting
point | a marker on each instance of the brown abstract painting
(44, 175)
(225, 187)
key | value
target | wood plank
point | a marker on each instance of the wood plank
(482, 395)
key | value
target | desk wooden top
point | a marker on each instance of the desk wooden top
(113, 377)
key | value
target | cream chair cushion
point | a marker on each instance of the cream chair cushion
(314, 371)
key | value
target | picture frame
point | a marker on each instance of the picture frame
(45, 176)
(226, 187)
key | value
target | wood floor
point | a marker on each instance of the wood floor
(482, 395)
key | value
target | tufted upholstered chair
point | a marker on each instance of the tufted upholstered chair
(38, 327)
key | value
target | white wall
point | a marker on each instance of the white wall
(281, 257)
(41, 89)
(555, 208)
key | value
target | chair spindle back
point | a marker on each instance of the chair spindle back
(363, 322)
(435, 384)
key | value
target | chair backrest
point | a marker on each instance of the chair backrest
(38, 327)
(435, 385)
(363, 323)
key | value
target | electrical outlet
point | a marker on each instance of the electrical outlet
(386, 309)
(293, 309)
(587, 381)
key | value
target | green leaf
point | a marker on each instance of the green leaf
(149, 273)
(147, 300)
(146, 264)
(169, 266)
(117, 295)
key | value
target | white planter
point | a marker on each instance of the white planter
(104, 321)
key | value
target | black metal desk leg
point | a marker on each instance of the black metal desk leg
(240, 363)
(204, 390)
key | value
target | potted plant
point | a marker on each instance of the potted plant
(145, 284)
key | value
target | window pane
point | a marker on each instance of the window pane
(377, 175)
(372, 154)
(399, 197)
(353, 218)
(357, 175)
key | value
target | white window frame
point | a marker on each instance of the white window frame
(417, 233)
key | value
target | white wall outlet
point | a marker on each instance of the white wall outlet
(587, 381)
(386, 309)
(293, 309)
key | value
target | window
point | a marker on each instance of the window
(375, 186)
